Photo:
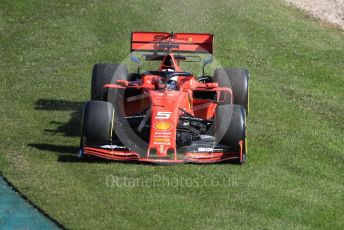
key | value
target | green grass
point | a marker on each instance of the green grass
(294, 176)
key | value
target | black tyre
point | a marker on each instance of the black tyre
(97, 122)
(103, 74)
(237, 80)
(230, 124)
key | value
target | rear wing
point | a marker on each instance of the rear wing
(182, 42)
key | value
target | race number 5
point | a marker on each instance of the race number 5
(163, 115)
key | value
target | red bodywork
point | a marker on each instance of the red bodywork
(167, 106)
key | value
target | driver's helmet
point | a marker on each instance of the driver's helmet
(172, 83)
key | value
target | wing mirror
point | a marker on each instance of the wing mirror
(136, 60)
(207, 61)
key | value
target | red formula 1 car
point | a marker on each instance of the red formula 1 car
(166, 115)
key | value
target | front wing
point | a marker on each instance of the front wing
(195, 153)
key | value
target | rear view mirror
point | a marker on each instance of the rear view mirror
(135, 59)
(206, 61)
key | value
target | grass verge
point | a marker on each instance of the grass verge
(293, 178)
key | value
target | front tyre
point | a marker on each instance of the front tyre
(230, 124)
(97, 123)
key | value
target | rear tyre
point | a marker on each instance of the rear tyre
(237, 80)
(97, 123)
(103, 74)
